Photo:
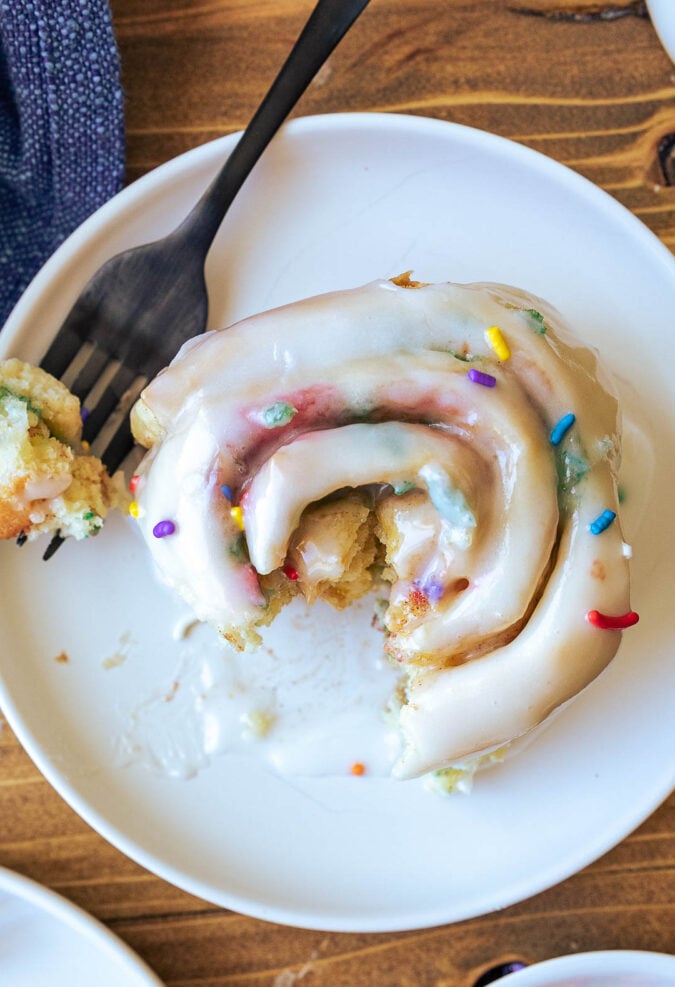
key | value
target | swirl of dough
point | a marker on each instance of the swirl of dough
(482, 440)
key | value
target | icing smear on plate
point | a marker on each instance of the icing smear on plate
(313, 700)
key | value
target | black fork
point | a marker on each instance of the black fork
(144, 303)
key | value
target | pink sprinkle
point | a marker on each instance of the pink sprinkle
(163, 528)
(478, 377)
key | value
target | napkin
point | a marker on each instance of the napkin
(61, 129)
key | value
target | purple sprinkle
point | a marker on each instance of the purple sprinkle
(433, 590)
(163, 528)
(84, 413)
(478, 377)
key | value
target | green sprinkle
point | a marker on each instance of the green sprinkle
(238, 548)
(403, 487)
(88, 516)
(572, 468)
(621, 494)
(7, 392)
(538, 319)
(464, 357)
(448, 500)
(279, 414)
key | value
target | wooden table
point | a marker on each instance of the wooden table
(585, 82)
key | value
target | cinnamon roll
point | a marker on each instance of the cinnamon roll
(454, 443)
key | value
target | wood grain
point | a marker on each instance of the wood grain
(584, 82)
(597, 94)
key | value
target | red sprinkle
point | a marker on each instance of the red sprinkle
(418, 600)
(133, 483)
(606, 623)
(290, 572)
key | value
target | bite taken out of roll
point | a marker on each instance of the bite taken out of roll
(454, 443)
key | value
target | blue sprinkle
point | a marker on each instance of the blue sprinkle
(602, 522)
(562, 428)
(227, 492)
(84, 413)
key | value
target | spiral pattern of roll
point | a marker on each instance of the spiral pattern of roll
(480, 439)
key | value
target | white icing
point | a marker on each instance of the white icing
(46, 488)
(386, 352)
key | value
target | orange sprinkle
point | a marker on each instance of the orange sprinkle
(358, 768)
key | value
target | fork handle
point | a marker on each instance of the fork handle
(328, 23)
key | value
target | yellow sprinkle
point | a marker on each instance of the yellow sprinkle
(237, 516)
(85, 445)
(497, 342)
(135, 509)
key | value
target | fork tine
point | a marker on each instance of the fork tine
(61, 352)
(53, 546)
(122, 442)
(107, 402)
(118, 448)
(89, 373)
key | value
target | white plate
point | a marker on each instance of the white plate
(45, 938)
(336, 201)
(662, 13)
(609, 968)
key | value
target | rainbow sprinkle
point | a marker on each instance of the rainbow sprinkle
(560, 430)
(237, 516)
(280, 413)
(133, 483)
(226, 491)
(498, 343)
(164, 528)
(608, 623)
(358, 769)
(290, 572)
(602, 522)
(135, 509)
(478, 377)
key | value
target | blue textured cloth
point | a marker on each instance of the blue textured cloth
(61, 129)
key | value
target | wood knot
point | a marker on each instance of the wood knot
(666, 155)
(495, 973)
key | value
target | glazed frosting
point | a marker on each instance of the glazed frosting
(493, 565)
